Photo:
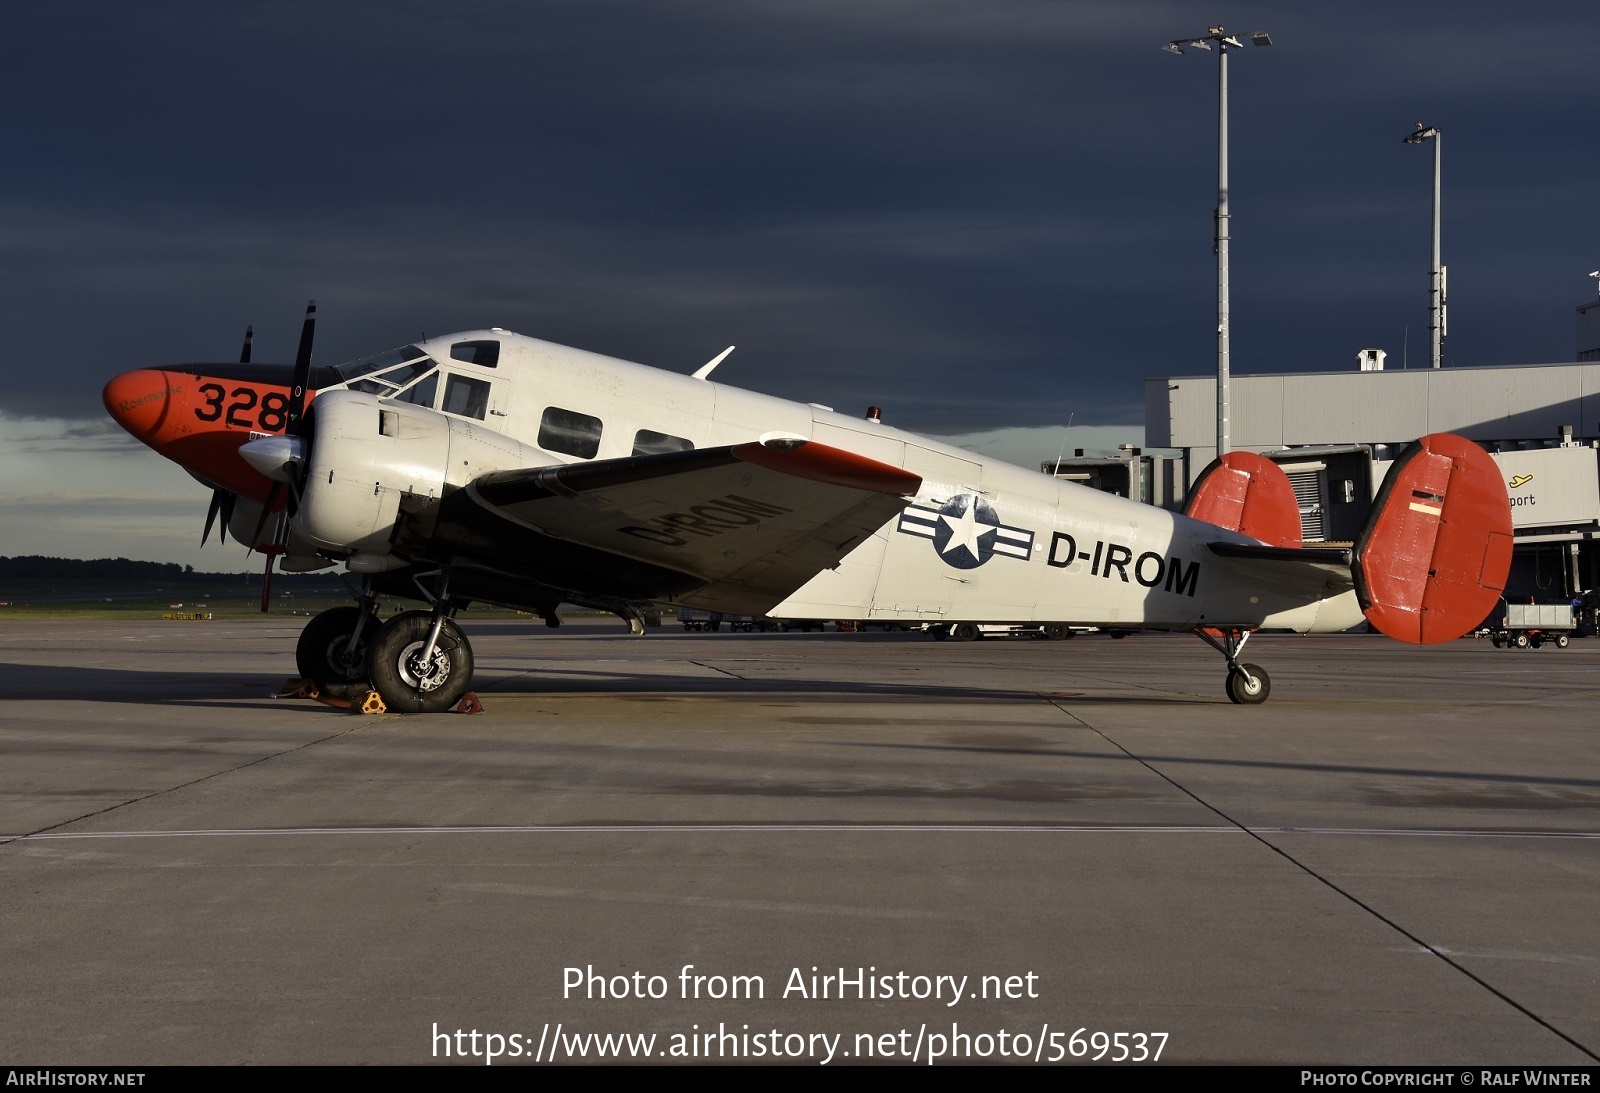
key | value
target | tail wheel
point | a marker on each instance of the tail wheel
(403, 679)
(964, 631)
(1249, 685)
(323, 654)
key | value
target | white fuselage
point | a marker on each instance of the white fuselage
(981, 541)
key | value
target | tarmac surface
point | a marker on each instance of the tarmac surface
(1395, 860)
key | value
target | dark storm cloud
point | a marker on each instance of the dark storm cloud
(976, 214)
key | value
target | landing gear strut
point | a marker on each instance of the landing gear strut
(1248, 684)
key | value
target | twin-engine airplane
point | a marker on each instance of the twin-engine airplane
(488, 466)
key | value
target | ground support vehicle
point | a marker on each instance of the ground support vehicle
(745, 624)
(700, 620)
(1533, 624)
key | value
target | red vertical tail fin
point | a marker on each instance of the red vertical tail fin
(1250, 494)
(1433, 559)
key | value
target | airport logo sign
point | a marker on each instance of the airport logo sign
(965, 531)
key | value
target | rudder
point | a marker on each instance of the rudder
(1433, 558)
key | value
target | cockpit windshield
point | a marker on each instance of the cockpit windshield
(383, 374)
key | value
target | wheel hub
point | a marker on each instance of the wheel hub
(427, 676)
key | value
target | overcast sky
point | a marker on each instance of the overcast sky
(981, 215)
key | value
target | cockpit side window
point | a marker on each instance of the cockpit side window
(466, 396)
(484, 354)
(421, 393)
(569, 433)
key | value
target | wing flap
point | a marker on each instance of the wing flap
(750, 522)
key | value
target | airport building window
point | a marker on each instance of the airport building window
(466, 397)
(569, 433)
(482, 354)
(646, 442)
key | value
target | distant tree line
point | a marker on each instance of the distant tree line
(36, 568)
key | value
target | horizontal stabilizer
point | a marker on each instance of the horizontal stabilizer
(1250, 494)
(1324, 562)
(1432, 561)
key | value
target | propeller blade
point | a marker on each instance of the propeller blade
(249, 336)
(228, 500)
(302, 369)
(211, 515)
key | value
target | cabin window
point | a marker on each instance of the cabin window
(483, 354)
(646, 442)
(569, 433)
(466, 397)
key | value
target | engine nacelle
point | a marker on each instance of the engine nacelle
(368, 458)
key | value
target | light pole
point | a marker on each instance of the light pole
(1436, 294)
(1224, 42)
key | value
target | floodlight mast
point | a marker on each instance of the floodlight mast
(1224, 43)
(1436, 303)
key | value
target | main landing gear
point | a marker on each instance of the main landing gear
(1248, 684)
(332, 651)
(418, 661)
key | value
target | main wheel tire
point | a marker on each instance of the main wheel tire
(1561, 641)
(1056, 631)
(412, 687)
(321, 653)
(1249, 687)
(964, 631)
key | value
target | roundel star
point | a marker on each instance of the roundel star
(965, 533)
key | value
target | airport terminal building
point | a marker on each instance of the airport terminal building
(1336, 433)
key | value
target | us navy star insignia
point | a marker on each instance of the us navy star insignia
(966, 532)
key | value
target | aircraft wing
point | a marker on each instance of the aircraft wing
(1329, 564)
(749, 523)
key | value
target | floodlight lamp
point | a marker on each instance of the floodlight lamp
(1201, 43)
(1260, 38)
(1172, 47)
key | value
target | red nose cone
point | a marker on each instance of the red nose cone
(139, 401)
